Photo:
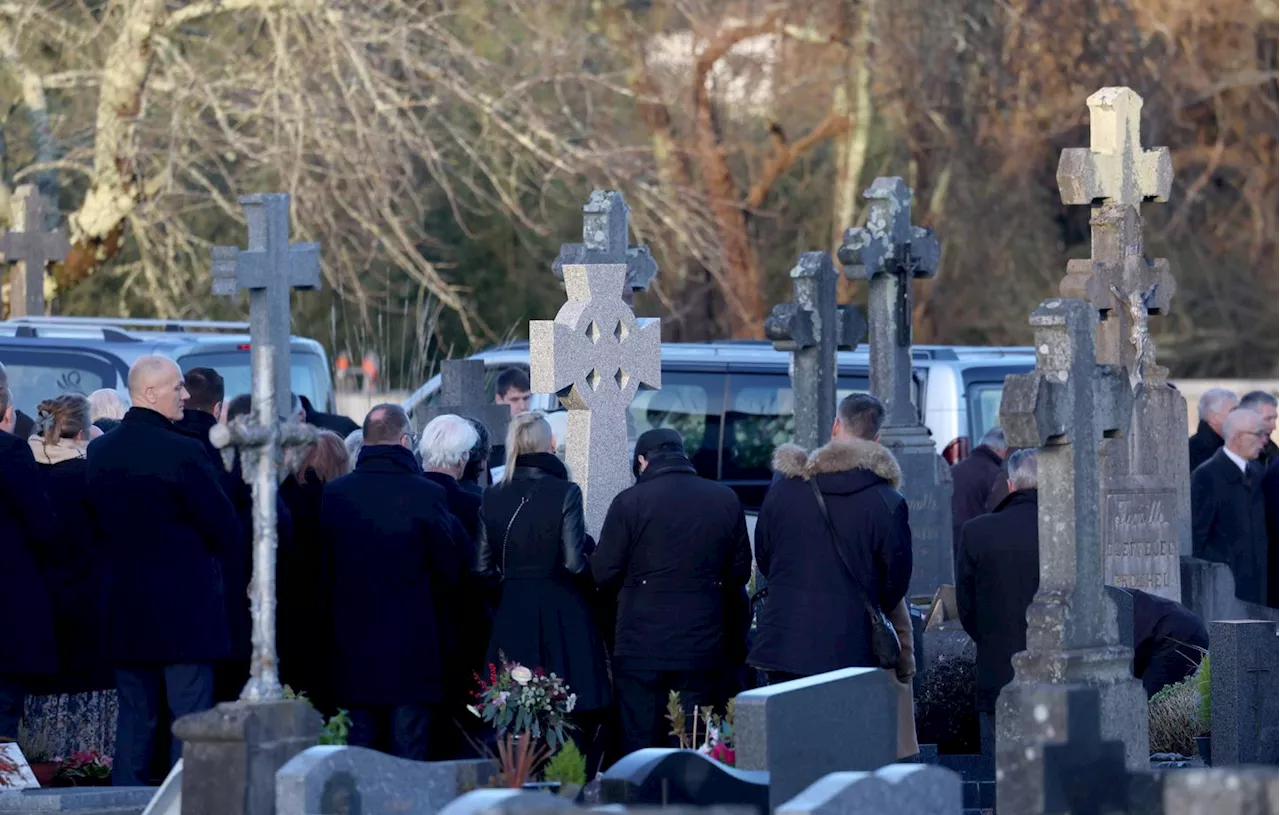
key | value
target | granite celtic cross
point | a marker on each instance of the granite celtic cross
(595, 355)
(30, 249)
(605, 222)
(268, 269)
(813, 327)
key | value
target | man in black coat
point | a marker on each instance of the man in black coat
(389, 550)
(28, 529)
(1213, 407)
(973, 480)
(1228, 511)
(475, 476)
(1263, 404)
(672, 548)
(22, 425)
(813, 620)
(1168, 641)
(1271, 496)
(997, 575)
(327, 421)
(205, 392)
(167, 525)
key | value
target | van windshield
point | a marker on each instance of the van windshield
(36, 374)
(307, 376)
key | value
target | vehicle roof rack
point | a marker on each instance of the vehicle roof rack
(172, 326)
(67, 332)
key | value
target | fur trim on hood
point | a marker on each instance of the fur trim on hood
(836, 457)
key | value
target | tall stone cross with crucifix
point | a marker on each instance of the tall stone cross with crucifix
(464, 392)
(813, 327)
(1064, 409)
(30, 249)
(605, 220)
(1146, 495)
(268, 269)
(890, 253)
(595, 355)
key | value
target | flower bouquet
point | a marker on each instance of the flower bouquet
(87, 768)
(529, 710)
(716, 731)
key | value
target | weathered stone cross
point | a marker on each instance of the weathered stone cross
(30, 249)
(464, 392)
(269, 268)
(813, 328)
(595, 356)
(605, 219)
(890, 253)
(1115, 175)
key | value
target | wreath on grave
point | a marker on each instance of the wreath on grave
(528, 709)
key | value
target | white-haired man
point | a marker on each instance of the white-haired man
(1213, 408)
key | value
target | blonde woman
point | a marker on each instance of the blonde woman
(537, 543)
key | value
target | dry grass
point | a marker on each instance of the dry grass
(1175, 718)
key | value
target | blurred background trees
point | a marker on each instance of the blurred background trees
(441, 151)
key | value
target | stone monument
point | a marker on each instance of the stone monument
(813, 327)
(270, 265)
(465, 392)
(30, 249)
(890, 254)
(595, 355)
(1064, 408)
(605, 220)
(1146, 499)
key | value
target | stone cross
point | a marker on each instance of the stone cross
(1114, 168)
(465, 392)
(890, 253)
(595, 355)
(30, 249)
(605, 219)
(813, 328)
(269, 268)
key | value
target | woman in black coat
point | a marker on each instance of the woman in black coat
(537, 541)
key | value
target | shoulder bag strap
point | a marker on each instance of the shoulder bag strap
(835, 539)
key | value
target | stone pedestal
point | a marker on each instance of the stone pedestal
(231, 754)
(926, 484)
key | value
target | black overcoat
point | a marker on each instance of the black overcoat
(1203, 444)
(997, 574)
(1229, 523)
(303, 641)
(813, 620)
(388, 546)
(545, 618)
(972, 480)
(28, 537)
(671, 547)
(1271, 497)
(166, 526)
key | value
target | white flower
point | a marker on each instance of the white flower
(474, 711)
(521, 675)
(570, 702)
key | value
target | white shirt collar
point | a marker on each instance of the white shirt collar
(1239, 462)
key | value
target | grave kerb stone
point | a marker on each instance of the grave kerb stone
(509, 802)
(900, 789)
(30, 249)
(605, 223)
(1244, 690)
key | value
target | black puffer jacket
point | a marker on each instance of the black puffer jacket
(813, 620)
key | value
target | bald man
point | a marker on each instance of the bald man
(168, 527)
(1228, 510)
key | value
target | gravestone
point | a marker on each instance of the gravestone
(891, 254)
(1244, 692)
(465, 392)
(595, 355)
(82, 801)
(509, 802)
(813, 327)
(1145, 497)
(30, 249)
(1064, 408)
(331, 780)
(683, 777)
(1220, 791)
(900, 789)
(605, 223)
(801, 730)
(272, 267)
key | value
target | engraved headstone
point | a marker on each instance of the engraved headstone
(30, 249)
(890, 254)
(1243, 691)
(272, 267)
(464, 392)
(595, 355)
(1145, 506)
(605, 221)
(1064, 408)
(813, 327)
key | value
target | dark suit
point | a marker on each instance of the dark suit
(1203, 445)
(167, 526)
(1229, 522)
(1271, 495)
(973, 480)
(1167, 637)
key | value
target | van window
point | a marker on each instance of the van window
(984, 408)
(307, 376)
(690, 402)
(39, 374)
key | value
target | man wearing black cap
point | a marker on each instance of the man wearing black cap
(674, 550)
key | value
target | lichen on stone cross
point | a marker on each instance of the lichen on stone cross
(1114, 168)
(605, 223)
(32, 249)
(595, 356)
(268, 270)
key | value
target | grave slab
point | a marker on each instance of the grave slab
(509, 802)
(682, 777)
(318, 779)
(84, 801)
(1243, 691)
(800, 731)
(901, 789)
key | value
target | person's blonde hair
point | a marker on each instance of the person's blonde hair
(106, 404)
(528, 433)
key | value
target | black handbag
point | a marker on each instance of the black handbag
(884, 639)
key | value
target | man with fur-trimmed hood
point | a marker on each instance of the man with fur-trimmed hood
(814, 620)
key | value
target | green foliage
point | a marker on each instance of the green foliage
(1202, 690)
(568, 766)
(336, 728)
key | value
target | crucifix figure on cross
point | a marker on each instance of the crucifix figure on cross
(268, 269)
(605, 222)
(30, 249)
